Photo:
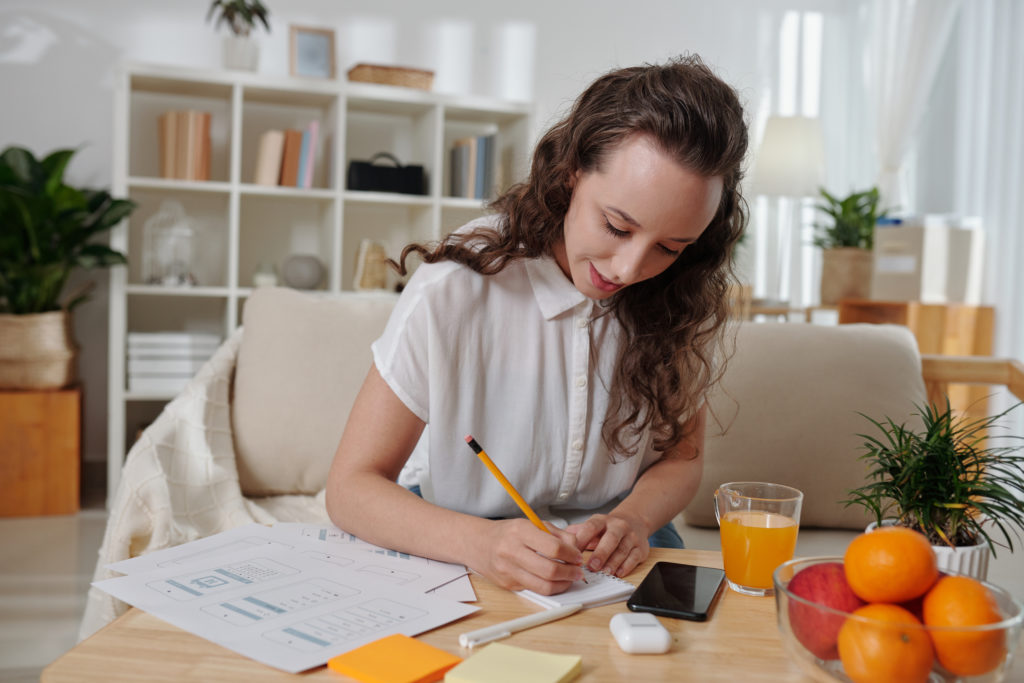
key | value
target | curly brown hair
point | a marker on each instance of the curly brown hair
(674, 322)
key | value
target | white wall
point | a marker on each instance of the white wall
(57, 57)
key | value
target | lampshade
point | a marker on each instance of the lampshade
(791, 159)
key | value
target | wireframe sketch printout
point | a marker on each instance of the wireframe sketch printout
(412, 572)
(283, 607)
(459, 587)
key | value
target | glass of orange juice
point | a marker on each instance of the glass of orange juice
(758, 523)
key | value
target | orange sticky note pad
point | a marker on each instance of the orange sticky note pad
(394, 659)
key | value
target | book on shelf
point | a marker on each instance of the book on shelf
(268, 158)
(309, 143)
(163, 362)
(290, 158)
(143, 340)
(157, 385)
(471, 167)
(184, 144)
(184, 365)
(300, 178)
(287, 157)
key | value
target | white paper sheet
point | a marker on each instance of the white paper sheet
(282, 607)
(460, 588)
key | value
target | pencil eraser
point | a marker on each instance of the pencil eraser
(640, 633)
(469, 437)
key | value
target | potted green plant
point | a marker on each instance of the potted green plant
(948, 480)
(241, 51)
(47, 230)
(847, 239)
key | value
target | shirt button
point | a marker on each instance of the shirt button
(577, 445)
(581, 382)
(582, 322)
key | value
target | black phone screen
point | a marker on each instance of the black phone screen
(681, 591)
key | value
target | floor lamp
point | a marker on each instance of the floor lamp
(789, 167)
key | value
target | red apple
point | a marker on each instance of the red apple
(824, 584)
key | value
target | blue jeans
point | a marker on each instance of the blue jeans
(665, 537)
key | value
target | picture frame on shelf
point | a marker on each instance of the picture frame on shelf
(311, 52)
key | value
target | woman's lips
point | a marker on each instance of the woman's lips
(600, 282)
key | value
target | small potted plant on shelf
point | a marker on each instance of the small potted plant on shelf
(947, 481)
(847, 240)
(47, 230)
(241, 51)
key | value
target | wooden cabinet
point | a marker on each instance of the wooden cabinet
(946, 329)
(239, 226)
(40, 452)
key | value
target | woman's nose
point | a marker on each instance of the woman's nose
(629, 266)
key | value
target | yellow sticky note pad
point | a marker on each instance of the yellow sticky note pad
(500, 663)
(394, 659)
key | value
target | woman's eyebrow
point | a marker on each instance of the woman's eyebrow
(624, 216)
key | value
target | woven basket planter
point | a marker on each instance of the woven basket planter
(845, 274)
(37, 351)
(392, 75)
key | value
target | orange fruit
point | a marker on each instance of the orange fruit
(892, 648)
(890, 564)
(963, 601)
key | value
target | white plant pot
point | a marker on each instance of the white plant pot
(971, 560)
(241, 52)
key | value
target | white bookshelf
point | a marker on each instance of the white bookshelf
(240, 225)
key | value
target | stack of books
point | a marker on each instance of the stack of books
(287, 157)
(184, 144)
(471, 167)
(163, 362)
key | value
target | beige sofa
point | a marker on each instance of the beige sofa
(252, 436)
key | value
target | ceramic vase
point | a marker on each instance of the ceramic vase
(241, 52)
(971, 560)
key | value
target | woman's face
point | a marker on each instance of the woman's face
(630, 220)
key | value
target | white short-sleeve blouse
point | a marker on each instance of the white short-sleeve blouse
(523, 362)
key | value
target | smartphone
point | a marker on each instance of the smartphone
(680, 591)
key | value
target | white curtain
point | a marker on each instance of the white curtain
(906, 42)
(989, 167)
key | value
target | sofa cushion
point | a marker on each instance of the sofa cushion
(301, 363)
(789, 404)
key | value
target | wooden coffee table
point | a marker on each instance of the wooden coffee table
(739, 643)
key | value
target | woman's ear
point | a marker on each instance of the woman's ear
(573, 178)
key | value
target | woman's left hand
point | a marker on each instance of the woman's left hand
(619, 542)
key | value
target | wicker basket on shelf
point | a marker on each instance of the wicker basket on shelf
(392, 75)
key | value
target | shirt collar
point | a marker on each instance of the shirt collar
(554, 292)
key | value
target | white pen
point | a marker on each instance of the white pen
(507, 628)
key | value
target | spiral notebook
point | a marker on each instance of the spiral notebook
(600, 589)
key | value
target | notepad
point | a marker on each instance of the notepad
(500, 663)
(394, 659)
(600, 589)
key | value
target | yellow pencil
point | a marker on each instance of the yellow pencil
(520, 501)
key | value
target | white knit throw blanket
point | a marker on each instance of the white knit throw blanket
(180, 483)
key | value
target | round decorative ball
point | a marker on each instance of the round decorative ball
(302, 271)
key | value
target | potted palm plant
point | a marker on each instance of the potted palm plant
(949, 481)
(47, 230)
(241, 51)
(847, 239)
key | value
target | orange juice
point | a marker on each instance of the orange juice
(754, 543)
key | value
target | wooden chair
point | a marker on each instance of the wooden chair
(941, 371)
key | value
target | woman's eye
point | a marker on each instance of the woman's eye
(670, 252)
(614, 231)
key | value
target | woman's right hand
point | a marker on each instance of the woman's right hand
(515, 554)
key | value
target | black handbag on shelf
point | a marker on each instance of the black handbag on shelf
(376, 177)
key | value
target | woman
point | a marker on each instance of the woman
(573, 333)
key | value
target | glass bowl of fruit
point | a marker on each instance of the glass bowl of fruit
(954, 629)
